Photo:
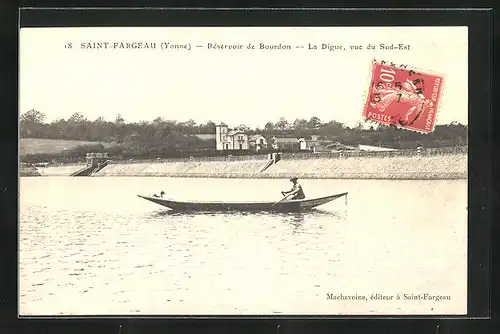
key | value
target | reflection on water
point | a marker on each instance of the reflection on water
(234, 214)
(294, 219)
(91, 246)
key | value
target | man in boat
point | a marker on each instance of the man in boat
(296, 192)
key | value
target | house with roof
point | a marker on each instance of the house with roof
(285, 143)
(257, 142)
(226, 139)
(313, 143)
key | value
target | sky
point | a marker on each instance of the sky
(246, 86)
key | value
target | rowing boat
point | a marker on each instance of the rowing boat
(283, 206)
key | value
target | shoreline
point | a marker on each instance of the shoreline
(402, 177)
(29, 171)
(407, 167)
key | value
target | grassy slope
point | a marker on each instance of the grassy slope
(33, 145)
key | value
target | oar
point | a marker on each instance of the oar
(281, 200)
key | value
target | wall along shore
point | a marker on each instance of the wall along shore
(400, 165)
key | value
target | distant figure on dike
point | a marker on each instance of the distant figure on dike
(296, 192)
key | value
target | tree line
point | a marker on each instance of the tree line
(78, 127)
(162, 137)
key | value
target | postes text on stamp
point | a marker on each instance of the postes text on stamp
(404, 97)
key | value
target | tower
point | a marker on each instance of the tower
(221, 131)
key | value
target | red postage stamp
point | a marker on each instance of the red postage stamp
(404, 97)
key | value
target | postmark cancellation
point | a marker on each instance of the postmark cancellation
(402, 96)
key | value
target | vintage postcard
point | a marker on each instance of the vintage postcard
(193, 171)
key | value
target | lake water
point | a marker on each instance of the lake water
(91, 246)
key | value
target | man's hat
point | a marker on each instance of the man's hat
(293, 179)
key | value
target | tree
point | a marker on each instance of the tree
(33, 116)
(269, 127)
(77, 118)
(32, 124)
(209, 127)
(158, 120)
(119, 128)
(119, 119)
(282, 124)
(300, 124)
(188, 127)
(314, 123)
(332, 128)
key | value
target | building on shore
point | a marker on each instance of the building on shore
(315, 144)
(226, 139)
(257, 142)
(312, 143)
(238, 139)
(285, 143)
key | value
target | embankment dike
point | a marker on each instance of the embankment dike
(384, 165)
